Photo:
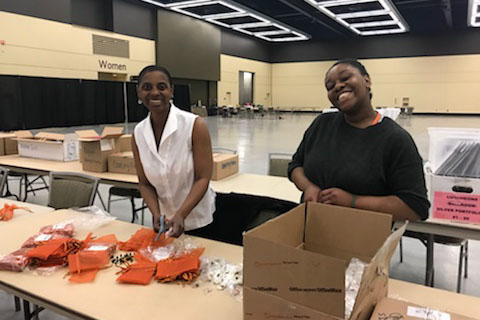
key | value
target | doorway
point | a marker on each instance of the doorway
(246, 87)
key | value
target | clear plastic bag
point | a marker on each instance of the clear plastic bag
(218, 273)
(178, 248)
(353, 278)
(93, 218)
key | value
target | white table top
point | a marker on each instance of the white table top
(102, 298)
(20, 213)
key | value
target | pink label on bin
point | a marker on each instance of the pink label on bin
(456, 206)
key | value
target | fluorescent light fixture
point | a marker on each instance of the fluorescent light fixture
(232, 15)
(361, 15)
(474, 13)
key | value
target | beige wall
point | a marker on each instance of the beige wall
(228, 86)
(38, 47)
(433, 84)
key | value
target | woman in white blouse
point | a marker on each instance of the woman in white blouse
(173, 157)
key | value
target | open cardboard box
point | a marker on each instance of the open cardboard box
(94, 149)
(122, 162)
(294, 265)
(8, 141)
(48, 146)
(391, 309)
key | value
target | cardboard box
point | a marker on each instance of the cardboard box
(95, 149)
(49, 146)
(224, 165)
(391, 309)
(294, 265)
(122, 162)
(125, 143)
(8, 142)
(455, 198)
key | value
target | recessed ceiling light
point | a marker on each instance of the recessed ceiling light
(362, 15)
(229, 14)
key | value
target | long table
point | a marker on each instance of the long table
(275, 187)
(106, 299)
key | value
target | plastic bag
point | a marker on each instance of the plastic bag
(223, 275)
(353, 278)
(93, 218)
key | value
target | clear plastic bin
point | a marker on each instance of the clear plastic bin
(444, 141)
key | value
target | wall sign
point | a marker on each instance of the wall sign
(104, 64)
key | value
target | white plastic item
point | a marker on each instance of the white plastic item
(443, 141)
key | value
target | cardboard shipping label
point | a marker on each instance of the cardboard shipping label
(456, 206)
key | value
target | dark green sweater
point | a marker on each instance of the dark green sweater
(379, 160)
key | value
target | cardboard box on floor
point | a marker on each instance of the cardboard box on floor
(224, 165)
(391, 309)
(294, 265)
(48, 146)
(122, 162)
(94, 149)
(8, 142)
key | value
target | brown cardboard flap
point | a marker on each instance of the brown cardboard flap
(4, 135)
(261, 305)
(50, 136)
(359, 232)
(374, 284)
(23, 134)
(112, 132)
(288, 230)
(300, 276)
(86, 133)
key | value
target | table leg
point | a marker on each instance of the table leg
(429, 269)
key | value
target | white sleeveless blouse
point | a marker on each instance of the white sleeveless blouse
(170, 169)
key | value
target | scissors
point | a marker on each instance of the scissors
(163, 227)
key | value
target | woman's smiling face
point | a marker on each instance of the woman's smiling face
(347, 88)
(155, 91)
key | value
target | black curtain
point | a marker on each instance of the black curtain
(33, 102)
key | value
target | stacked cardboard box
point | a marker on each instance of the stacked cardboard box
(224, 165)
(95, 149)
(122, 162)
(294, 265)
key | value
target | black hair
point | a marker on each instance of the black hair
(154, 68)
(357, 65)
(354, 63)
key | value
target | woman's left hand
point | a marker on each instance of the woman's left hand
(175, 226)
(336, 196)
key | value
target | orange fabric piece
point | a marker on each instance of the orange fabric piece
(6, 213)
(142, 239)
(87, 260)
(139, 273)
(173, 268)
(83, 277)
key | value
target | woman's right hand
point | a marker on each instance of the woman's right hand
(312, 193)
